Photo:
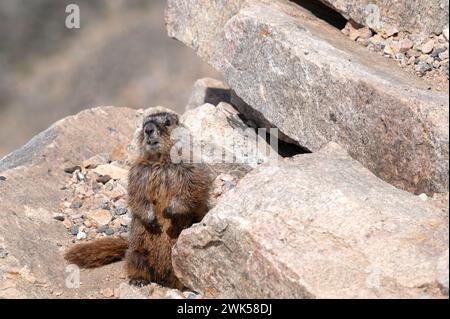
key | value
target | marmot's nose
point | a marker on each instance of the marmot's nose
(149, 129)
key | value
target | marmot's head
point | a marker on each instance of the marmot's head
(155, 134)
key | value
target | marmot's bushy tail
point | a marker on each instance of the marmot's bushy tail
(97, 253)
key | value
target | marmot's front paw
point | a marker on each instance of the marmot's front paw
(153, 226)
(139, 282)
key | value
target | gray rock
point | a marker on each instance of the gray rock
(103, 179)
(72, 169)
(74, 230)
(295, 72)
(109, 231)
(122, 229)
(443, 56)
(120, 211)
(76, 204)
(423, 67)
(102, 229)
(3, 252)
(222, 137)
(208, 90)
(316, 226)
(436, 52)
(421, 16)
(59, 217)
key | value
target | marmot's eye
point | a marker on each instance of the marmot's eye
(167, 123)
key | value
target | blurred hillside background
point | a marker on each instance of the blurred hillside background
(120, 56)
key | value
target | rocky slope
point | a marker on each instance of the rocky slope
(340, 222)
(68, 184)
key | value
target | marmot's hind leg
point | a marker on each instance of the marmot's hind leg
(139, 271)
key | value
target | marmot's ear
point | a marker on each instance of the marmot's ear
(171, 119)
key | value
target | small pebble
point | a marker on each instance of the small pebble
(122, 229)
(72, 169)
(81, 235)
(76, 204)
(109, 231)
(2, 178)
(423, 67)
(399, 56)
(411, 60)
(120, 211)
(80, 177)
(107, 292)
(423, 196)
(74, 230)
(190, 295)
(102, 229)
(87, 223)
(103, 205)
(67, 223)
(428, 46)
(125, 220)
(103, 179)
(389, 30)
(436, 52)
(96, 187)
(59, 217)
(3, 252)
(443, 56)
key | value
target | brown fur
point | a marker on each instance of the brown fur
(98, 253)
(164, 198)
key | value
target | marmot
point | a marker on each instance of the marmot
(164, 198)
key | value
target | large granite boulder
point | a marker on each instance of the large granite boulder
(301, 75)
(316, 226)
(420, 16)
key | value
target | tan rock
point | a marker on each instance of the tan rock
(316, 226)
(99, 217)
(95, 161)
(365, 33)
(427, 47)
(118, 154)
(219, 131)
(107, 292)
(12, 293)
(115, 172)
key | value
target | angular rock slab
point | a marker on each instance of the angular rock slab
(302, 76)
(420, 16)
(208, 90)
(222, 137)
(316, 226)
